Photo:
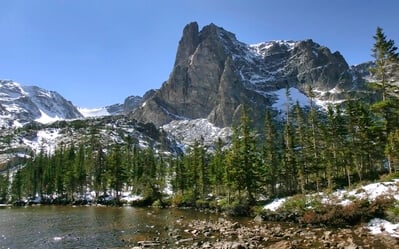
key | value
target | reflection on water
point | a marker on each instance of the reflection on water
(90, 227)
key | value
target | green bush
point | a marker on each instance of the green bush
(352, 214)
(238, 209)
(157, 204)
(202, 204)
(295, 204)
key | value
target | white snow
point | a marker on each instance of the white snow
(46, 119)
(296, 96)
(93, 112)
(188, 131)
(23, 103)
(45, 140)
(377, 226)
(344, 197)
(276, 204)
(261, 48)
(129, 197)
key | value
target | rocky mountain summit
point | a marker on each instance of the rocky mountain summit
(214, 75)
(22, 104)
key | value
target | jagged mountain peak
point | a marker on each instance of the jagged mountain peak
(22, 104)
(214, 75)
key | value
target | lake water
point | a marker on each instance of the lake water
(90, 227)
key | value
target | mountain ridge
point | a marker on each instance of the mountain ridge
(20, 105)
(214, 75)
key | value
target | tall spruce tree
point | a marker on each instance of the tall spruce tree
(386, 63)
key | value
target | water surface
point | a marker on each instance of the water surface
(90, 227)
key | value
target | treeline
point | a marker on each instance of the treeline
(72, 172)
(311, 151)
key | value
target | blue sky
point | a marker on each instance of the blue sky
(97, 52)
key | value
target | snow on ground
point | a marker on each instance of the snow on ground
(344, 197)
(377, 226)
(129, 197)
(276, 204)
(93, 112)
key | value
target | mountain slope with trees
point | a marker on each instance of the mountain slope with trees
(305, 150)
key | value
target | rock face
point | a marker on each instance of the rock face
(214, 75)
(22, 104)
(128, 105)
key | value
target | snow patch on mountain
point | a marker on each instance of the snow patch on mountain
(22, 104)
(45, 140)
(324, 102)
(187, 132)
(93, 112)
(261, 49)
(294, 96)
(46, 119)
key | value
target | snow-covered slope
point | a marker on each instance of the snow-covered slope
(22, 104)
(93, 112)
(187, 132)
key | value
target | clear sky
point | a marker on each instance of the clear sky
(98, 52)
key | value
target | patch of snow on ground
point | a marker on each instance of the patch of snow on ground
(377, 226)
(344, 197)
(93, 112)
(276, 204)
(129, 197)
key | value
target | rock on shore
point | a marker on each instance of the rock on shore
(227, 234)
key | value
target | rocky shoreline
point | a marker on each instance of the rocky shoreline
(226, 234)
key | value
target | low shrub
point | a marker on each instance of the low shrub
(158, 204)
(238, 209)
(348, 215)
(203, 204)
(295, 204)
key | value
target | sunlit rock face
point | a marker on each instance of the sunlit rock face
(215, 75)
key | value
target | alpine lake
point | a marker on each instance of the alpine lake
(129, 227)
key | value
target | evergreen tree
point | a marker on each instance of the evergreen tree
(217, 167)
(244, 165)
(386, 61)
(270, 155)
(4, 187)
(302, 151)
(117, 170)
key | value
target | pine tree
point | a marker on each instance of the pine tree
(246, 170)
(391, 151)
(217, 168)
(386, 61)
(302, 152)
(270, 155)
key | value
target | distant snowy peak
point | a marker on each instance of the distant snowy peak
(128, 105)
(22, 104)
(93, 112)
